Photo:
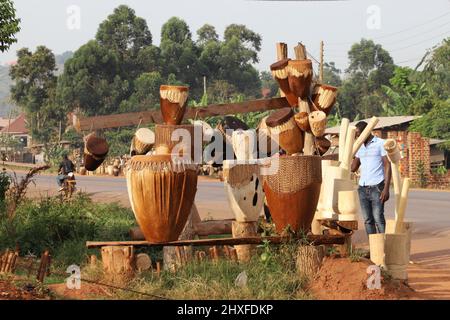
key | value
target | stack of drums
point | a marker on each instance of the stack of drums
(95, 151)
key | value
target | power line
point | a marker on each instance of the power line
(420, 42)
(417, 35)
(396, 32)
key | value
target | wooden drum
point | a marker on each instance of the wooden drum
(95, 151)
(280, 74)
(293, 191)
(243, 186)
(324, 97)
(173, 103)
(142, 142)
(161, 194)
(300, 76)
(182, 143)
(282, 123)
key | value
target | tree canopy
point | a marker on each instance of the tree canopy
(9, 24)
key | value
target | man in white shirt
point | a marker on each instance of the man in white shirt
(374, 181)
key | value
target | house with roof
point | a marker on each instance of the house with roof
(18, 129)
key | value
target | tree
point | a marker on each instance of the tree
(91, 81)
(9, 24)
(126, 35)
(180, 55)
(206, 34)
(331, 74)
(34, 90)
(268, 82)
(146, 94)
(369, 69)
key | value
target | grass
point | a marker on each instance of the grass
(275, 278)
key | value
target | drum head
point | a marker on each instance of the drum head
(145, 136)
(279, 64)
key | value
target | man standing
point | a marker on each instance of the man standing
(374, 181)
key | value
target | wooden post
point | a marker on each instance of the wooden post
(321, 62)
(342, 137)
(241, 230)
(309, 260)
(118, 262)
(282, 53)
(42, 271)
(300, 51)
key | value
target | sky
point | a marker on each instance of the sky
(406, 28)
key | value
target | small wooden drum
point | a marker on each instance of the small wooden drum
(318, 123)
(280, 74)
(282, 123)
(95, 151)
(293, 191)
(243, 186)
(173, 103)
(300, 76)
(324, 97)
(142, 142)
(161, 194)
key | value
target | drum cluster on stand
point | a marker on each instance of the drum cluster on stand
(303, 189)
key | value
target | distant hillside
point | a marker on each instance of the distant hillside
(5, 82)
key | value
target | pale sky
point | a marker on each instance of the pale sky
(405, 27)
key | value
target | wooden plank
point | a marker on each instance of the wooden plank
(81, 123)
(315, 239)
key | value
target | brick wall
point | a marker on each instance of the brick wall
(419, 153)
(438, 181)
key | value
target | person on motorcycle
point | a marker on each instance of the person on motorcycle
(66, 169)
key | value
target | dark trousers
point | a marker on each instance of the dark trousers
(372, 208)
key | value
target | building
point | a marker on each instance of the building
(420, 155)
(18, 129)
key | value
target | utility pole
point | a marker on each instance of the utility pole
(321, 62)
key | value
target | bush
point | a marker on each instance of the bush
(64, 227)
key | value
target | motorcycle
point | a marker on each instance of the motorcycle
(68, 186)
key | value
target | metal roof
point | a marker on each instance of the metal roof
(383, 123)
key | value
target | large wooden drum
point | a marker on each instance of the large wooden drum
(142, 142)
(243, 186)
(161, 194)
(173, 103)
(293, 191)
(282, 123)
(95, 151)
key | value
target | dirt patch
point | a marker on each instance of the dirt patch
(86, 292)
(10, 291)
(341, 279)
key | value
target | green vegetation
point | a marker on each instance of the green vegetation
(9, 25)
(63, 227)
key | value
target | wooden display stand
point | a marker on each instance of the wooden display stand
(242, 230)
(118, 262)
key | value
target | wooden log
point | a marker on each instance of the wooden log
(81, 123)
(308, 143)
(42, 270)
(309, 260)
(342, 137)
(118, 262)
(402, 206)
(314, 239)
(364, 135)
(282, 53)
(143, 262)
(242, 230)
(300, 51)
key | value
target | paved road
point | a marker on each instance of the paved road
(429, 209)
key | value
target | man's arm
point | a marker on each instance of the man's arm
(355, 164)
(387, 179)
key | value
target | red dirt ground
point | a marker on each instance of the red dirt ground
(9, 291)
(341, 279)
